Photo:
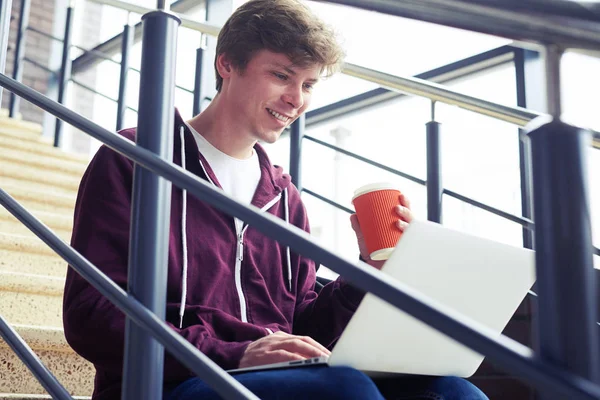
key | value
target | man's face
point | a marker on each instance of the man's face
(269, 94)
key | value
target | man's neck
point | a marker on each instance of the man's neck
(217, 126)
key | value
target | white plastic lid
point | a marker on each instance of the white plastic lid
(372, 187)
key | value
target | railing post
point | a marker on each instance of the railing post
(65, 71)
(5, 9)
(524, 145)
(151, 205)
(126, 44)
(197, 106)
(565, 275)
(434, 169)
(296, 136)
(13, 108)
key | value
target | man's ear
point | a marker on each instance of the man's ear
(224, 66)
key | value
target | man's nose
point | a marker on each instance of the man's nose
(294, 96)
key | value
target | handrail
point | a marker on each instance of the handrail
(542, 23)
(37, 368)
(504, 351)
(366, 160)
(418, 87)
(422, 88)
(185, 22)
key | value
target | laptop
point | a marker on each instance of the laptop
(477, 278)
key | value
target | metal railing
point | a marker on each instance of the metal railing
(64, 73)
(504, 351)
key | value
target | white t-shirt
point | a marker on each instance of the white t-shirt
(238, 178)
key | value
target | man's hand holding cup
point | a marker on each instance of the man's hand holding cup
(382, 215)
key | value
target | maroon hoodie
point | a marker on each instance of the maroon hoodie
(235, 294)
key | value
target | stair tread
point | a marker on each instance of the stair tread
(40, 147)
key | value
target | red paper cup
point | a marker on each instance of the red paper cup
(374, 205)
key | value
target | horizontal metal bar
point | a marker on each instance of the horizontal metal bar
(597, 251)
(189, 355)
(506, 352)
(185, 22)
(526, 223)
(328, 201)
(542, 23)
(419, 87)
(176, 86)
(32, 361)
(49, 36)
(40, 66)
(456, 70)
(366, 160)
(86, 87)
(97, 54)
(112, 46)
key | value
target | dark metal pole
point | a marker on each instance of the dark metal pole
(524, 149)
(126, 44)
(197, 106)
(151, 206)
(435, 188)
(565, 274)
(296, 136)
(5, 9)
(65, 72)
(13, 108)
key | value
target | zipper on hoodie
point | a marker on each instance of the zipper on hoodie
(239, 257)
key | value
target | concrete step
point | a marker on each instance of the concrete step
(24, 244)
(39, 147)
(50, 345)
(37, 197)
(25, 298)
(27, 173)
(25, 128)
(42, 162)
(60, 224)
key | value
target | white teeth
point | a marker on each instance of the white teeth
(278, 116)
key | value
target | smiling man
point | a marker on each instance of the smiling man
(240, 297)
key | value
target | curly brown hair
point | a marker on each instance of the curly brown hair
(282, 26)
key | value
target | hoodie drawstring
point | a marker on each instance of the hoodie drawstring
(287, 249)
(183, 234)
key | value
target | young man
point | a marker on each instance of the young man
(238, 296)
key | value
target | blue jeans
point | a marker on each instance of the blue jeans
(330, 383)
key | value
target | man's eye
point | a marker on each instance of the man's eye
(308, 86)
(280, 76)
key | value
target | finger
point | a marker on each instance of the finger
(355, 224)
(404, 213)
(404, 201)
(402, 225)
(298, 346)
(316, 344)
(281, 355)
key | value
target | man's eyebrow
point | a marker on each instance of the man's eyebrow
(290, 71)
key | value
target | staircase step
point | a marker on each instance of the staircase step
(42, 162)
(27, 173)
(34, 197)
(27, 297)
(40, 147)
(60, 224)
(50, 345)
(24, 244)
(31, 263)
(20, 128)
